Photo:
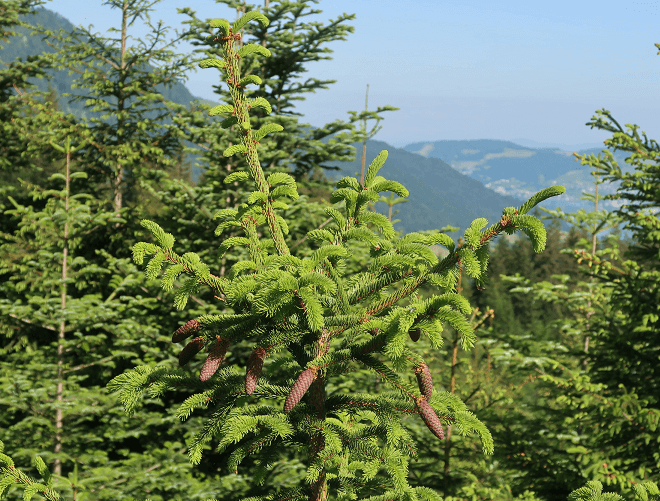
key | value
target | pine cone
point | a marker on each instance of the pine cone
(254, 365)
(430, 417)
(299, 388)
(185, 331)
(424, 380)
(215, 358)
(414, 334)
(190, 350)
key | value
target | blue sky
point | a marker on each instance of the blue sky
(473, 69)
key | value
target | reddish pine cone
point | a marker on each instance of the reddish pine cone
(424, 380)
(299, 388)
(185, 331)
(190, 350)
(414, 334)
(430, 417)
(215, 358)
(254, 365)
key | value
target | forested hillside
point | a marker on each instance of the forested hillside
(426, 207)
(130, 383)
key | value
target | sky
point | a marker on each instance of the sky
(474, 69)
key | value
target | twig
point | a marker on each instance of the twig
(32, 323)
(84, 366)
(305, 237)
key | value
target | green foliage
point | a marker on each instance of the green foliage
(11, 475)
(346, 303)
(289, 304)
(593, 491)
(597, 415)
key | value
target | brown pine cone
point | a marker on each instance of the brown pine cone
(299, 388)
(190, 350)
(215, 358)
(254, 365)
(424, 380)
(430, 417)
(185, 331)
(414, 334)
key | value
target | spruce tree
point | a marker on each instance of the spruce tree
(49, 120)
(296, 329)
(100, 452)
(302, 308)
(69, 322)
(14, 80)
(117, 81)
(295, 44)
(609, 402)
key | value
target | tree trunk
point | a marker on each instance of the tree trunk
(319, 488)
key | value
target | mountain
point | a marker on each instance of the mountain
(520, 171)
(439, 194)
(443, 190)
(23, 44)
(530, 143)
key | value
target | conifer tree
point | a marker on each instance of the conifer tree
(295, 44)
(116, 81)
(307, 312)
(292, 43)
(496, 380)
(14, 77)
(611, 401)
(64, 337)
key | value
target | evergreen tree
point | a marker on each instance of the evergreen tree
(70, 325)
(300, 309)
(606, 406)
(118, 82)
(14, 77)
(100, 330)
(292, 44)
(295, 44)
(49, 120)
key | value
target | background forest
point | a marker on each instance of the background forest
(565, 372)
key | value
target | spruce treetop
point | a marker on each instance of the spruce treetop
(308, 321)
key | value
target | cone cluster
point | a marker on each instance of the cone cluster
(254, 365)
(299, 388)
(190, 350)
(430, 418)
(424, 380)
(185, 331)
(216, 355)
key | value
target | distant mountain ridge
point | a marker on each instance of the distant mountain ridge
(439, 194)
(24, 44)
(443, 180)
(518, 171)
(530, 143)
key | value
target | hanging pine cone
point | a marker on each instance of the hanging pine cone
(430, 417)
(215, 358)
(299, 388)
(185, 331)
(414, 334)
(190, 350)
(254, 365)
(424, 380)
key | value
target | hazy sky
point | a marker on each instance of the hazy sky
(473, 69)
